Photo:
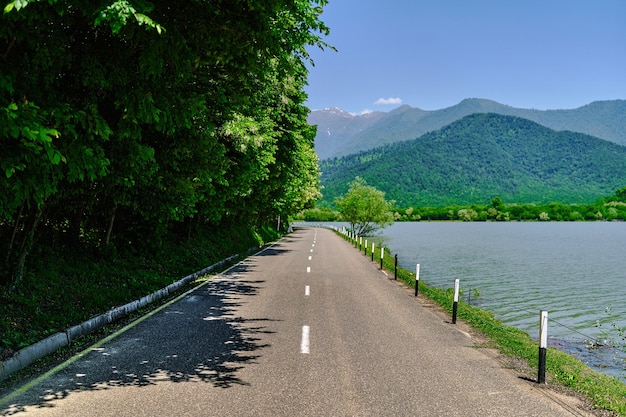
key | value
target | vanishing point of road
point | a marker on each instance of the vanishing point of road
(306, 327)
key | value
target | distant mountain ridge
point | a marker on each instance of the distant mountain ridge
(484, 155)
(340, 133)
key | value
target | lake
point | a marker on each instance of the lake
(575, 270)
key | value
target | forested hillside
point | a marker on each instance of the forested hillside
(341, 134)
(134, 126)
(482, 156)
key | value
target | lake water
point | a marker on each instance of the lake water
(575, 270)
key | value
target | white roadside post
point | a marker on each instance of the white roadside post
(373, 251)
(417, 278)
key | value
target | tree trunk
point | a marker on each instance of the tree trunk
(24, 250)
(107, 237)
(75, 228)
(15, 230)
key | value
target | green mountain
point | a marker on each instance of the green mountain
(482, 156)
(340, 133)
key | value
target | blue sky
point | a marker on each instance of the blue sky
(541, 54)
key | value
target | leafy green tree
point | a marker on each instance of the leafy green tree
(467, 215)
(497, 203)
(620, 195)
(365, 208)
(134, 123)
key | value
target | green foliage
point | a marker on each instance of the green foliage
(320, 214)
(482, 156)
(118, 13)
(139, 124)
(619, 196)
(365, 208)
(609, 208)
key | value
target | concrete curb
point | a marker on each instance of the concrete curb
(26, 356)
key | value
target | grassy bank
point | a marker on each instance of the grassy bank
(61, 289)
(605, 392)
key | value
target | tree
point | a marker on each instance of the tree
(620, 195)
(123, 120)
(467, 215)
(365, 208)
(497, 203)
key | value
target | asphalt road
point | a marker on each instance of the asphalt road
(308, 327)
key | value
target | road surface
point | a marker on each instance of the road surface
(307, 327)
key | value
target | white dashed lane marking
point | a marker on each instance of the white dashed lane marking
(304, 344)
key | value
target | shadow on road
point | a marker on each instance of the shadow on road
(274, 250)
(197, 339)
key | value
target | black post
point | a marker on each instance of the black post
(382, 256)
(541, 376)
(543, 345)
(395, 267)
(455, 305)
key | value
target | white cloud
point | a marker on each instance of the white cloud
(390, 100)
(362, 112)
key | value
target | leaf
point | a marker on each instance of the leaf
(17, 5)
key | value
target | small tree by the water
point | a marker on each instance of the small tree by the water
(365, 208)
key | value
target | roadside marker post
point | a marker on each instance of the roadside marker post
(417, 279)
(382, 256)
(455, 305)
(543, 345)
(395, 268)
(360, 242)
(365, 247)
(372, 251)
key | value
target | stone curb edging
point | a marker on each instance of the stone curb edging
(26, 356)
